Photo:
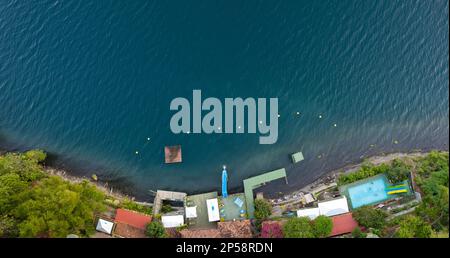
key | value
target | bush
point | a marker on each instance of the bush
(298, 228)
(369, 217)
(155, 229)
(413, 226)
(130, 205)
(365, 171)
(357, 233)
(271, 230)
(322, 226)
(398, 172)
(36, 155)
(263, 209)
(166, 208)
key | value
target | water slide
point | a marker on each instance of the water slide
(397, 189)
(224, 182)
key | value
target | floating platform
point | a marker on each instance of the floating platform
(172, 154)
(297, 157)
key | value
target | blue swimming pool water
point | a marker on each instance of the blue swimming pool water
(368, 193)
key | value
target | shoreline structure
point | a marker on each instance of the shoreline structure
(290, 196)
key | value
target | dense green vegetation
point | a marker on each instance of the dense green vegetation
(366, 170)
(33, 204)
(432, 177)
(298, 228)
(155, 230)
(322, 226)
(166, 208)
(130, 205)
(431, 217)
(369, 217)
(357, 233)
(413, 226)
(303, 227)
(263, 209)
(397, 171)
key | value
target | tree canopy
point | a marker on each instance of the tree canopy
(413, 226)
(298, 228)
(33, 204)
(322, 226)
(263, 209)
(369, 217)
(398, 172)
(155, 229)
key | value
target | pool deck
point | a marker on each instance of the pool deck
(231, 210)
(199, 200)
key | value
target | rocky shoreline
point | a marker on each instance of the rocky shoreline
(323, 181)
(330, 178)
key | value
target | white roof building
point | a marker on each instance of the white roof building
(312, 213)
(104, 226)
(334, 207)
(213, 209)
(191, 212)
(309, 198)
(172, 221)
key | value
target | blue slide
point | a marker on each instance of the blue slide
(224, 182)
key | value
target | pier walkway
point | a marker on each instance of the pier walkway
(166, 195)
(254, 182)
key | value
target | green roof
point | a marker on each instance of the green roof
(297, 157)
(254, 182)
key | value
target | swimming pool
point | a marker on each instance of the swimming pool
(367, 193)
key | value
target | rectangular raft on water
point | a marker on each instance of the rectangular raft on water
(172, 154)
(297, 157)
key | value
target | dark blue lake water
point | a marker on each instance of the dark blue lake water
(89, 81)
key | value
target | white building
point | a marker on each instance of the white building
(326, 208)
(172, 221)
(334, 207)
(312, 213)
(213, 210)
(105, 226)
(191, 212)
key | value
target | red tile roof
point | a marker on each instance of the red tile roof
(228, 229)
(200, 233)
(127, 231)
(132, 218)
(343, 224)
(235, 229)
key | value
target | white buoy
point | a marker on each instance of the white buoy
(148, 139)
(335, 125)
(278, 115)
(320, 116)
(137, 152)
(298, 113)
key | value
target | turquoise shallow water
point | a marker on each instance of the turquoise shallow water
(90, 81)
